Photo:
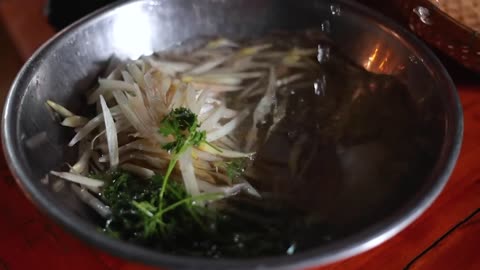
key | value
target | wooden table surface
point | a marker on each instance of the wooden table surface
(445, 237)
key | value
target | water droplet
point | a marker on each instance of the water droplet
(236, 238)
(291, 249)
(325, 26)
(320, 86)
(424, 14)
(301, 100)
(58, 185)
(335, 10)
(292, 92)
(292, 134)
(323, 53)
(413, 59)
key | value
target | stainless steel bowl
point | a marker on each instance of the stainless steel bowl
(68, 64)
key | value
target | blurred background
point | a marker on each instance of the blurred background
(9, 55)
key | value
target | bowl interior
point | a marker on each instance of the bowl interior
(68, 65)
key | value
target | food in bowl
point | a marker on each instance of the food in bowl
(224, 148)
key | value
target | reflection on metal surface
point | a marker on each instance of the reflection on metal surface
(371, 59)
(413, 59)
(323, 53)
(325, 26)
(335, 10)
(424, 14)
(132, 33)
(382, 66)
(378, 60)
(36, 140)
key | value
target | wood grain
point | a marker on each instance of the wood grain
(457, 249)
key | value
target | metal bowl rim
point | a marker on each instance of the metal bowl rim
(350, 246)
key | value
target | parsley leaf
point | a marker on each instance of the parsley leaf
(182, 124)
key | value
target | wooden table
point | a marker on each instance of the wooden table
(446, 236)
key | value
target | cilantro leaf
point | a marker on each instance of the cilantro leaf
(182, 124)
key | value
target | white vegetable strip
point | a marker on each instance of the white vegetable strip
(59, 109)
(91, 125)
(58, 185)
(263, 108)
(190, 97)
(250, 189)
(152, 161)
(86, 181)
(156, 87)
(169, 67)
(227, 128)
(224, 152)
(208, 65)
(201, 164)
(74, 121)
(142, 125)
(92, 201)
(188, 172)
(95, 157)
(136, 74)
(127, 77)
(111, 132)
(216, 87)
(227, 141)
(201, 100)
(100, 146)
(227, 190)
(140, 171)
(289, 79)
(81, 166)
(250, 88)
(212, 120)
(229, 113)
(238, 75)
(204, 175)
(106, 85)
(204, 155)
(143, 145)
(214, 79)
(85, 130)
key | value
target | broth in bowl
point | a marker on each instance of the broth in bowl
(250, 148)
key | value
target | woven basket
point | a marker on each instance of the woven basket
(466, 12)
(452, 26)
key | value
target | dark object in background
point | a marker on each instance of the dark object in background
(61, 13)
